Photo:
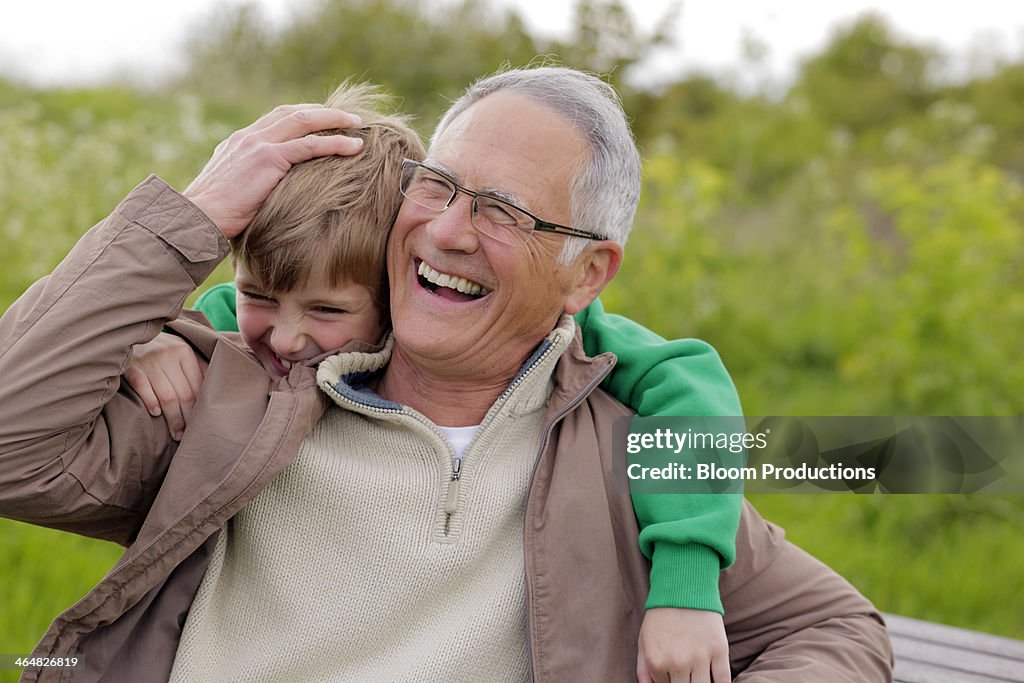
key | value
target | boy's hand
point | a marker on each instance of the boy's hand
(251, 162)
(687, 645)
(167, 375)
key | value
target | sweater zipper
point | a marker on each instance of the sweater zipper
(451, 504)
(526, 373)
(543, 444)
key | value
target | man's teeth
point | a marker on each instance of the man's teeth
(286, 364)
(455, 282)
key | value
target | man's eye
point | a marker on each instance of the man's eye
(329, 310)
(497, 213)
(435, 187)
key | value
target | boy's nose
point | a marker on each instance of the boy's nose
(287, 340)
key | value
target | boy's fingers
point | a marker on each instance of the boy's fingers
(139, 383)
(643, 672)
(720, 671)
(194, 370)
(659, 674)
(643, 666)
(186, 416)
(170, 402)
(187, 386)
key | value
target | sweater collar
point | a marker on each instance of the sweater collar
(346, 373)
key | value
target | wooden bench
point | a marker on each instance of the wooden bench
(933, 653)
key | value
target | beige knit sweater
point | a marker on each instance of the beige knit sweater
(348, 566)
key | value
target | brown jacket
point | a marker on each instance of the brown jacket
(79, 452)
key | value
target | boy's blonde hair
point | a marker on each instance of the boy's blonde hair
(329, 218)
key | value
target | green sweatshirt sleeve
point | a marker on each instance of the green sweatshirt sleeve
(218, 305)
(689, 538)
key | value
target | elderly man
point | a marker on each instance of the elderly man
(410, 579)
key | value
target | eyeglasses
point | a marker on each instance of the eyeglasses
(492, 216)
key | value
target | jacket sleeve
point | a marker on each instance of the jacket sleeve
(689, 538)
(218, 305)
(78, 451)
(791, 619)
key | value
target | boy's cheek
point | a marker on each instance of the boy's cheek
(250, 324)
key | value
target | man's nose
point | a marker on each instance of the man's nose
(452, 229)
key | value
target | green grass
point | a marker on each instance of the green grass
(951, 559)
(45, 572)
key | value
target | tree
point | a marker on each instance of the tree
(867, 78)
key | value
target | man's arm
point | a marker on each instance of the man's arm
(75, 452)
(791, 619)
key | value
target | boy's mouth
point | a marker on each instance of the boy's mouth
(281, 365)
(451, 287)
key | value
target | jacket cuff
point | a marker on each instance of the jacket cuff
(685, 575)
(162, 210)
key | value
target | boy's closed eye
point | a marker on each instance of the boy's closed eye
(253, 296)
(330, 310)
(317, 308)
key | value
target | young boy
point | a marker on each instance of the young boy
(310, 279)
(308, 269)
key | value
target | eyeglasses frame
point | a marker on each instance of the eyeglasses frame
(539, 224)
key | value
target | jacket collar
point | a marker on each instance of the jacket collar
(577, 374)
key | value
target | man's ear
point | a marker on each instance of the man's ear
(594, 269)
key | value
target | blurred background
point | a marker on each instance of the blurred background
(833, 197)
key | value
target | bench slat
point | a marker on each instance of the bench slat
(920, 672)
(951, 635)
(935, 653)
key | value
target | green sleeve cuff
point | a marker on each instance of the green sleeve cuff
(685, 576)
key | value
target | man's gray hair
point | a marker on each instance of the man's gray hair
(606, 190)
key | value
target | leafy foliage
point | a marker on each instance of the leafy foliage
(425, 52)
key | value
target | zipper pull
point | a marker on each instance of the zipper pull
(451, 505)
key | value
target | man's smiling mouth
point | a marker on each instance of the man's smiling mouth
(452, 287)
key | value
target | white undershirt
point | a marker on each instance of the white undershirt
(459, 438)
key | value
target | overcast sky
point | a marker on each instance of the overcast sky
(72, 41)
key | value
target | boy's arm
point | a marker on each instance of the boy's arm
(77, 453)
(218, 305)
(689, 538)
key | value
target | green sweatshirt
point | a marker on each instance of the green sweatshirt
(688, 538)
